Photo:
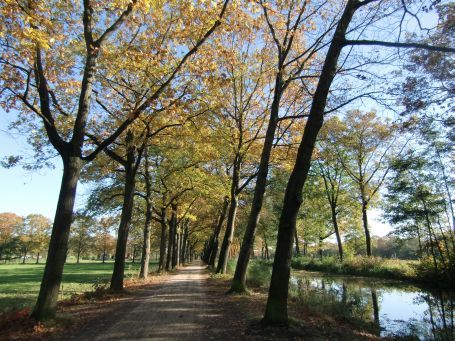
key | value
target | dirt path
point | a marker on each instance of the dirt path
(178, 308)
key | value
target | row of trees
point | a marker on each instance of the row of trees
(22, 237)
(195, 114)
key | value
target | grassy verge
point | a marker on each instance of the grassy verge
(19, 284)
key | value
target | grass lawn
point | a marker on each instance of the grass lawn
(19, 283)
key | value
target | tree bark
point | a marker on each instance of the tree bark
(365, 228)
(296, 238)
(171, 260)
(215, 248)
(230, 226)
(276, 308)
(125, 220)
(365, 219)
(47, 299)
(239, 280)
(37, 258)
(337, 232)
(145, 259)
(162, 259)
(228, 236)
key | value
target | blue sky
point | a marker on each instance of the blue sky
(24, 192)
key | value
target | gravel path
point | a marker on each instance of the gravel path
(177, 309)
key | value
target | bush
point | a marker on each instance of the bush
(259, 273)
(426, 272)
(359, 266)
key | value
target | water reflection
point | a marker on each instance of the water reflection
(385, 308)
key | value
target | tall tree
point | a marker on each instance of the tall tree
(283, 20)
(365, 147)
(276, 308)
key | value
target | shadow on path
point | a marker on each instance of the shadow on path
(178, 308)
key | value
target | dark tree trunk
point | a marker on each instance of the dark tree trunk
(125, 220)
(37, 258)
(176, 258)
(104, 254)
(296, 238)
(366, 229)
(78, 256)
(215, 248)
(185, 242)
(239, 280)
(174, 237)
(365, 220)
(25, 256)
(276, 309)
(228, 236)
(337, 232)
(162, 259)
(145, 259)
(170, 244)
(230, 226)
(47, 299)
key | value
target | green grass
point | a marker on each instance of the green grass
(19, 283)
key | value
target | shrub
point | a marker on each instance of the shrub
(259, 273)
(358, 266)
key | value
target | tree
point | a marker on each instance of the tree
(34, 235)
(284, 21)
(104, 241)
(31, 70)
(81, 237)
(336, 184)
(10, 223)
(276, 308)
(243, 106)
(365, 146)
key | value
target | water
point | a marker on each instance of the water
(386, 308)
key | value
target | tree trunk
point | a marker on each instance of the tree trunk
(125, 222)
(239, 280)
(215, 248)
(337, 232)
(104, 254)
(185, 242)
(170, 244)
(173, 236)
(47, 299)
(267, 255)
(78, 256)
(296, 238)
(365, 221)
(145, 259)
(25, 256)
(176, 260)
(37, 258)
(162, 260)
(230, 226)
(228, 236)
(276, 308)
